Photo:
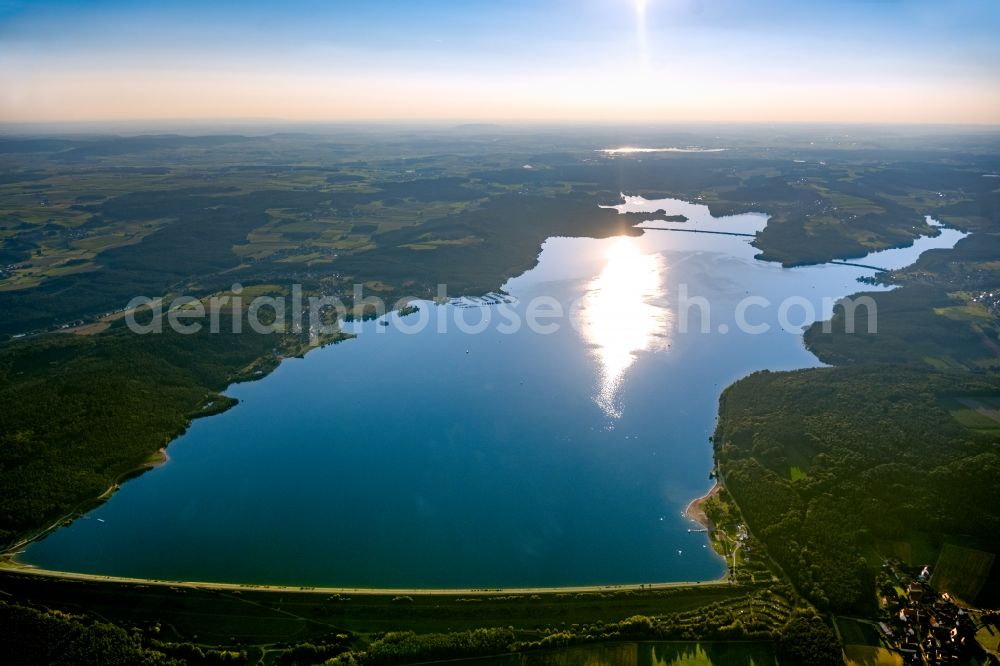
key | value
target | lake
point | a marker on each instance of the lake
(427, 454)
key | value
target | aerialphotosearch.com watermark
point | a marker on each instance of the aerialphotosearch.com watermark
(325, 315)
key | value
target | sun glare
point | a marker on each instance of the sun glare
(620, 317)
(640, 31)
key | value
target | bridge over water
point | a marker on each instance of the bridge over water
(733, 233)
(699, 231)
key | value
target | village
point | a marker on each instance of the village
(929, 627)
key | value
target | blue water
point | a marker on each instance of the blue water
(494, 459)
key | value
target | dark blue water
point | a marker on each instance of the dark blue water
(492, 459)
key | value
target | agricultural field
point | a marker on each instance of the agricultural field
(80, 216)
(814, 462)
(962, 572)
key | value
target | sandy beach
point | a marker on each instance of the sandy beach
(14, 568)
(696, 509)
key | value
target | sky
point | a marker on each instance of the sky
(616, 61)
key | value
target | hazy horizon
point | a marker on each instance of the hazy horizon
(592, 61)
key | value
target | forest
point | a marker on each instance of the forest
(53, 637)
(87, 224)
(830, 467)
(80, 413)
(876, 456)
(892, 444)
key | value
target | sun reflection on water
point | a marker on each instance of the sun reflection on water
(622, 314)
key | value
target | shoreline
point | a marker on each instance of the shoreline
(10, 566)
(161, 456)
(156, 459)
(10, 556)
(695, 510)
